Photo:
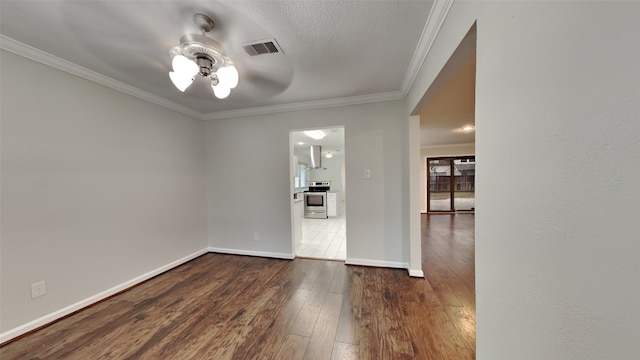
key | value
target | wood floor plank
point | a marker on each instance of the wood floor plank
(310, 311)
(351, 314)
(340, 281)
(439, 338)
(293, 348)
(324, 332)
(237, 307)
(270, 327)
(464, 320)
(344, 351)
(386, 335)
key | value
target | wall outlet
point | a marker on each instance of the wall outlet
(367, 174)
(256, 236)
(38, 289)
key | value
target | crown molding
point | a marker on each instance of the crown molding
(435, 20)
(444, 146)
(306, 105)
(433, 25)
(29, 52)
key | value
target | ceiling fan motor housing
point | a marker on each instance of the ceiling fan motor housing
(205, 63)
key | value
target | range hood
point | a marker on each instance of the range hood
(316, 158)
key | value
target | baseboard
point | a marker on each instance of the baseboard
(287, 256)
(416, 273)
(387, 264)
(376, 263)
(44, 320)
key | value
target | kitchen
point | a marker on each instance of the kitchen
(319, 193)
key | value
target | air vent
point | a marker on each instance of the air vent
(262, 47)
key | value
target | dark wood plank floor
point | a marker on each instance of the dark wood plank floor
(235, 307)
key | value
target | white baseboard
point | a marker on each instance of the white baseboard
(287, 256)
(387, 264)
(23, 329)
(416, 273)
(376, 263)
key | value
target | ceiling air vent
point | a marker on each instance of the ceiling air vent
(262, 47)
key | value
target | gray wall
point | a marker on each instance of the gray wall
(557, 99)
(332, 172)
(98, 188)
(242, 152)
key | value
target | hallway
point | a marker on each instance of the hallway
(448, 262)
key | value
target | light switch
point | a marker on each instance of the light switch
(367, 174)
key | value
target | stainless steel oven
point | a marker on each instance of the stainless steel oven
(315, 205)
(315, 200)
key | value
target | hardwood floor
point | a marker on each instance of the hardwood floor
(236, 307)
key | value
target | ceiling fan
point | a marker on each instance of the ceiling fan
(199, 55)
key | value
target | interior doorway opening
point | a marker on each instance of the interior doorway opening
(319, 218)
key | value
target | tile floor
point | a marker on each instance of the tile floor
(324, 239)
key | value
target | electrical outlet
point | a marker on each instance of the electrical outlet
(256, 236)
(38, 289)
(367, 174)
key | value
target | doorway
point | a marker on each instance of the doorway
(319, 237)
(447, 112)
(451, 184)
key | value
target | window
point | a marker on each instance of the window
(451, 184)
(300, 181)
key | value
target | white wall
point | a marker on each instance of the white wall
(98, 188)
(240, 149)
(331, 173)
(439, 150)
(557, 148)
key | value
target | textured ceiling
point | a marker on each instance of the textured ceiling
(332, 49)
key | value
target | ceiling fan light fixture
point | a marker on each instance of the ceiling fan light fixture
(228, 76)
(200, 55)
(181, 80)
(183, 66)
(221, 91)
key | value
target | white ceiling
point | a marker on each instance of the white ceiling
(332, 49)
(453, 107)
(332, 142)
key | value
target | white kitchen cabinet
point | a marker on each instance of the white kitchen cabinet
(332, 204)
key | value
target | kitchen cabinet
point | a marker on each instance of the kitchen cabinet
(332, 204)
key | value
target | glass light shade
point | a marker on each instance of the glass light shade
(181, 81)
(221, 91)
(184, 66)
(228, 76)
